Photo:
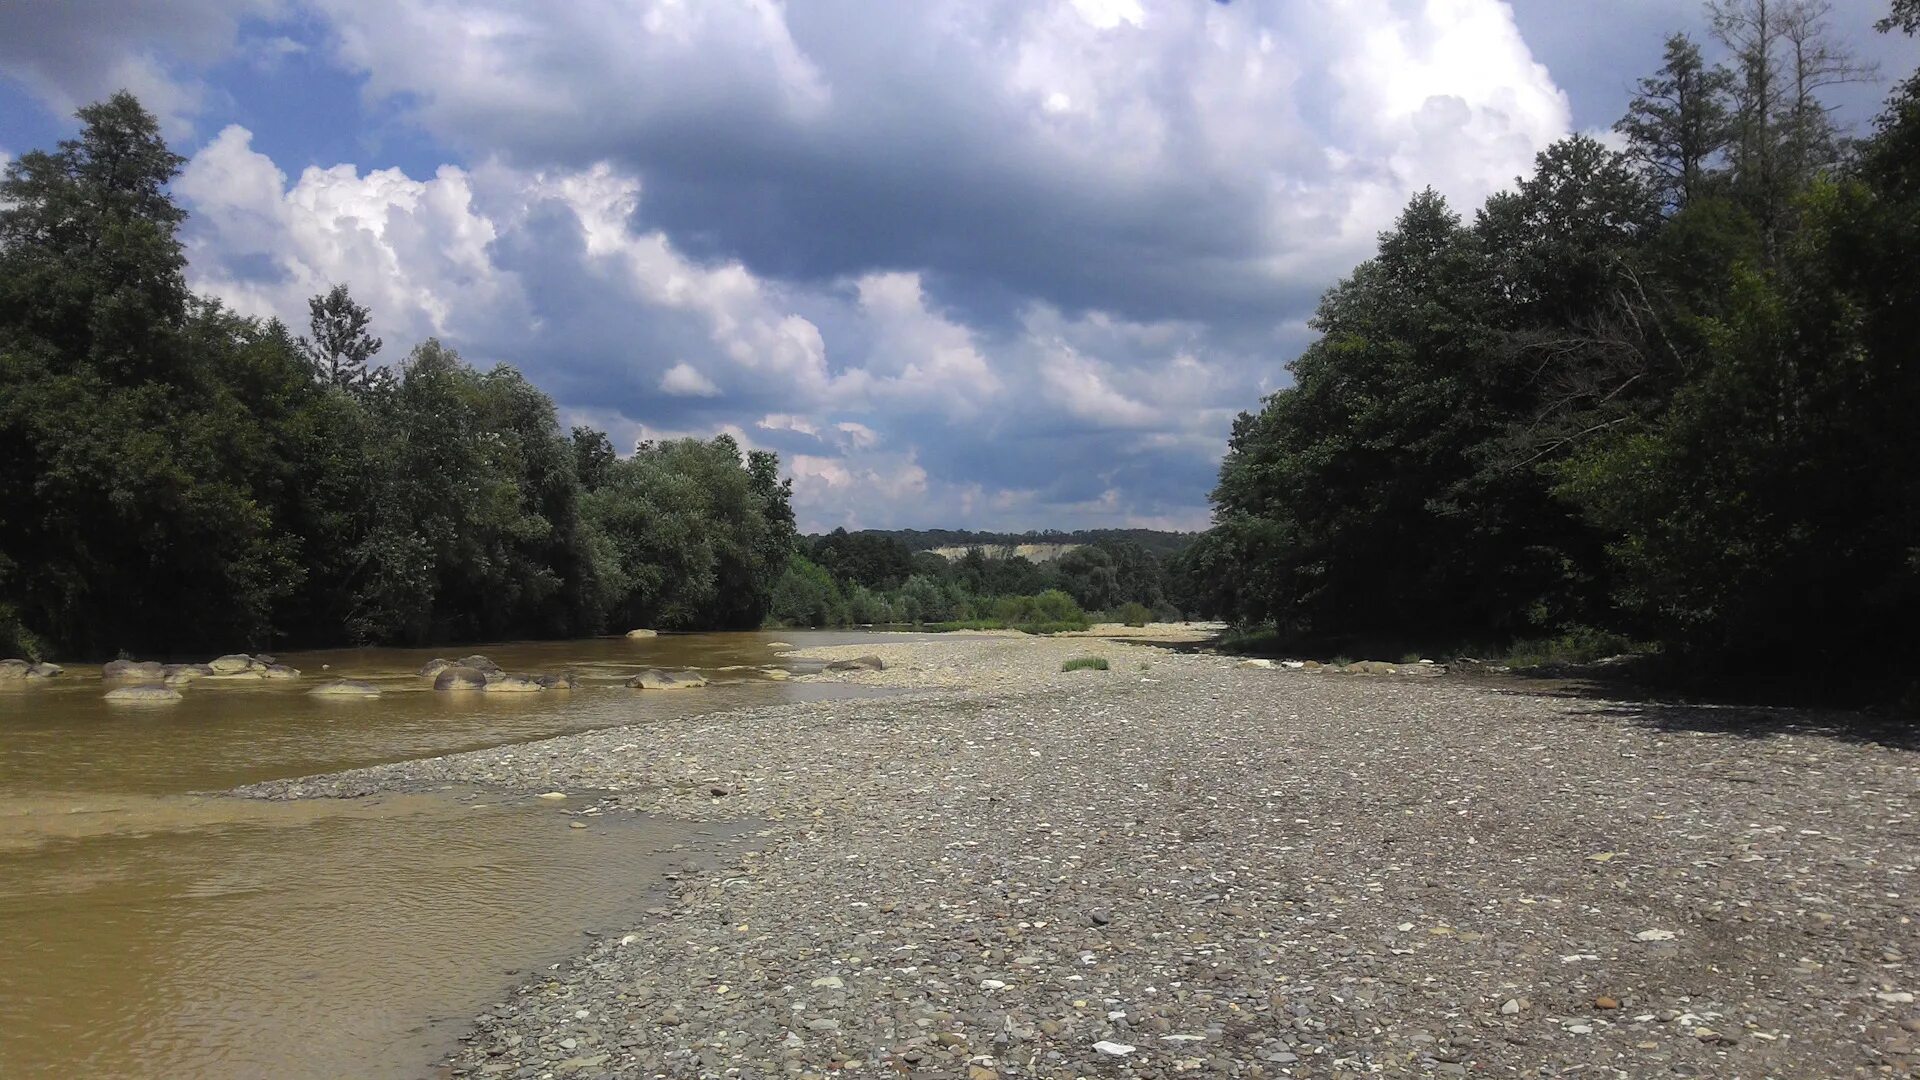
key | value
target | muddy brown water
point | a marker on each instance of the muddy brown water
(148, 929)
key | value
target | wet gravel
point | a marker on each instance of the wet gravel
(1187, 866)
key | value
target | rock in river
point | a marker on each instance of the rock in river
(510, 684)
(144, 670)
(460, 677)
(655, 679)
(281, 671)
(13, 669)
(346, 688)
(44, 670)
(143, 695)
(643, 633)
(434, 667)
(557, 682)
(233, 664)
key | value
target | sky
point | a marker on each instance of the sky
(994, 264)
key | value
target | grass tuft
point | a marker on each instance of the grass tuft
(1085, 663)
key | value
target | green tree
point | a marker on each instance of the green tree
(1679, 122)
(340, 346)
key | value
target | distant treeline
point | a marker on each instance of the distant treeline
(176, 479)
(845, 578)
(1668, 397)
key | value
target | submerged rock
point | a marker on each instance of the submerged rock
(460, 677)
(557, 682)
(655, 679)
(511, 684)
(144, 670)
(143, 695)
(45, 670)
(280, 671)
(345, 688)
(434, 667)
(643, 633)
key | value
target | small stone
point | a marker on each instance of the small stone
(824, 1024)
(981, 1072)
(576, 824)
(1511, 1007)
(1605, 1002)
(551, 795)
(828, 982)
(1654, 935)
(1113, 1049)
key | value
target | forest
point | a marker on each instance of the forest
(1662, 398)
(878, 577)
(177, 479)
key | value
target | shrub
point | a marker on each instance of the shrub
(1085, 663)
(1132, 613)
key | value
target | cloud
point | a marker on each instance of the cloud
(1152, 159)
(685, 380)
(75, 51)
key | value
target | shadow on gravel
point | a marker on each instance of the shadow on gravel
(1626, 702)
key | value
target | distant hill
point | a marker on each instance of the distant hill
(1049, 544)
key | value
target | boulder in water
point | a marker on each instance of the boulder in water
(144, 670)
(643, 633)
(557, 682)
(435, 666)
(655, 679)
(44, 670)
(511, 684)
(280, 671)
(233, 664)
(460, 677)
(13, 669)
(478, 663)
(345, 688)
(144, 694)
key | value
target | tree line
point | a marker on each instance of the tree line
(1664, 396)
(851, 579)
(176, 478)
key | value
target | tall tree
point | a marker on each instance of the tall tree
(340, 347)
(1679, 123)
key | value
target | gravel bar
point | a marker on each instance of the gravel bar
(1184, 865)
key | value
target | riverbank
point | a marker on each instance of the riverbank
(1188, 865)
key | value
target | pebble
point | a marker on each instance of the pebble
(949, 861)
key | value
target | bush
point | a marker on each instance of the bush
(1581, 645)
(1131, 613)
(1085, 663)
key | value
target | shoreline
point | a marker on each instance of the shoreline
(1227, 869)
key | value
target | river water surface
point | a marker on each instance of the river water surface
(149, 930)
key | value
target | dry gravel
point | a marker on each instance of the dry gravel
(1234, 872)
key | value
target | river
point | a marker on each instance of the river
(152, 928)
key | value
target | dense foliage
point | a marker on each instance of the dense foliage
(175, 478)
(843, 579)
(1667, 394)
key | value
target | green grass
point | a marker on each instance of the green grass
(1085, 663)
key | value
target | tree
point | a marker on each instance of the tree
(89, 260)
(340, 346)
(1679, 122)
(1904, 17)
